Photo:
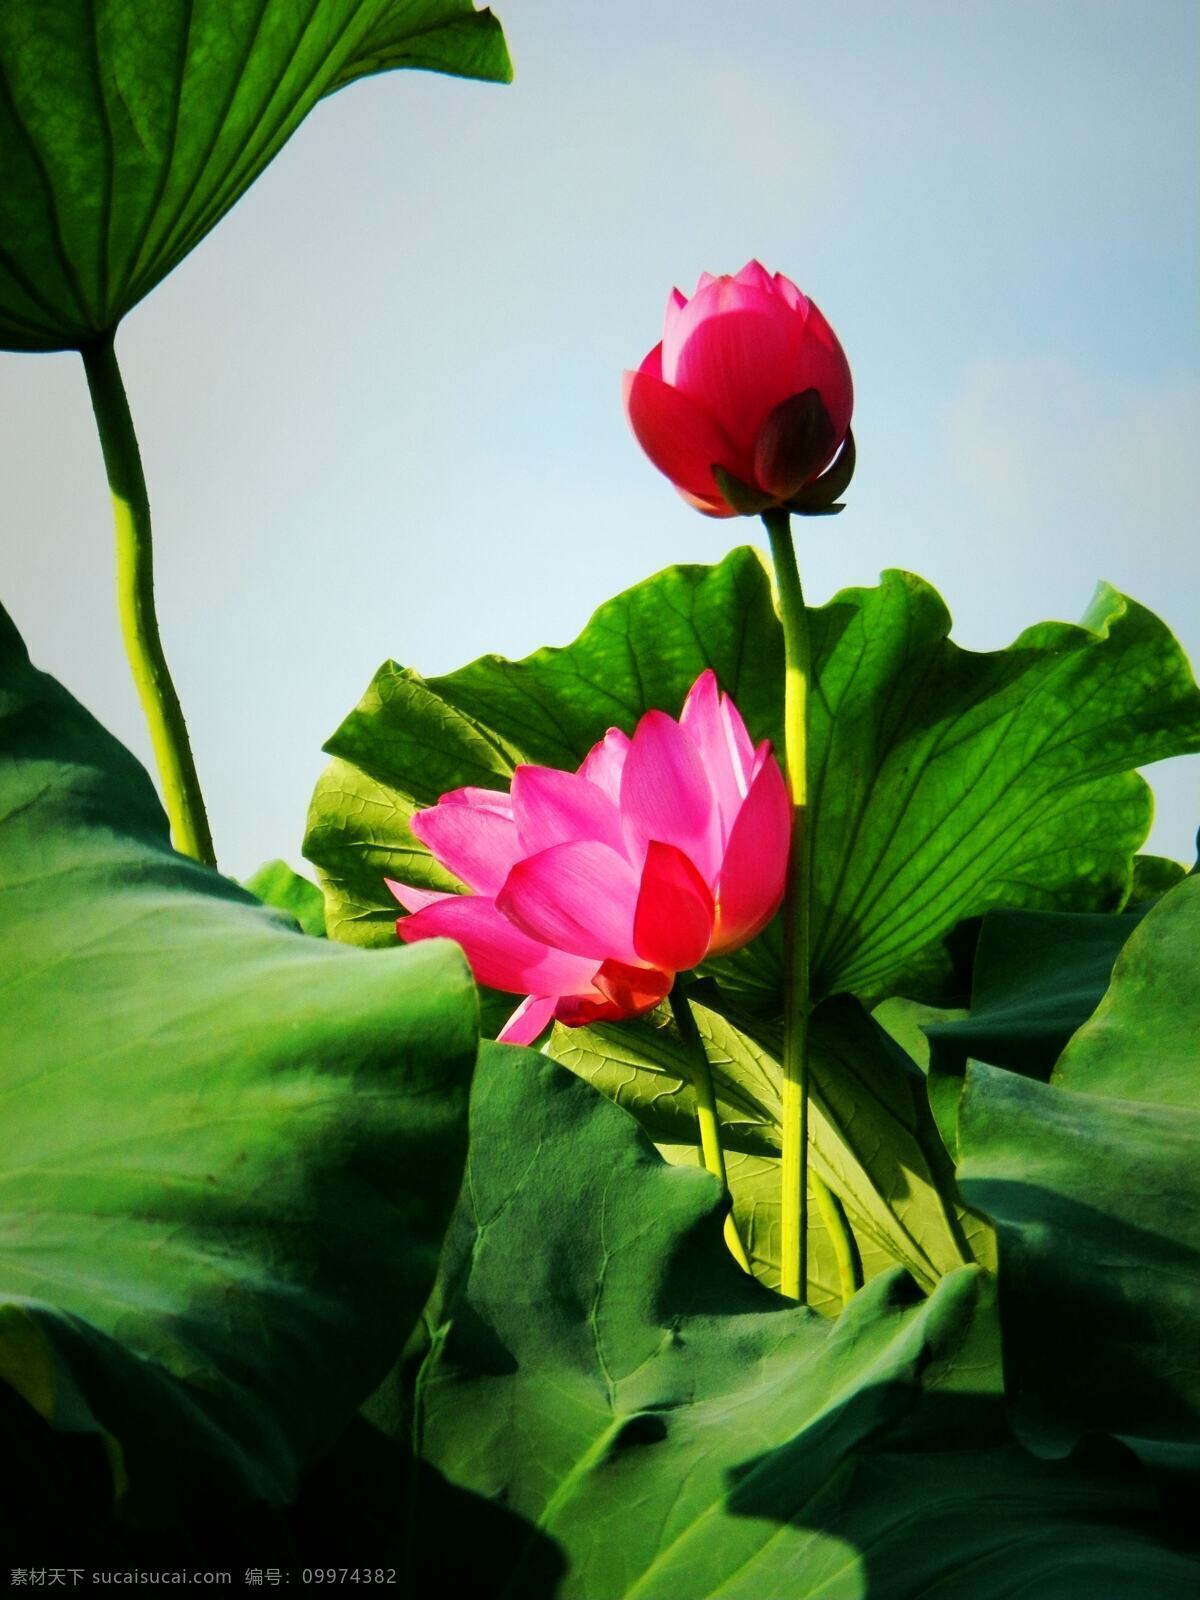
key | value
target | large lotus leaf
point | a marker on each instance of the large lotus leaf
(602, 1391)
(128, 130)
(230, 1151)
(411, 739)
(643, 1064)
(944, 781)
(872, 1138)
(1093, 1182)
(1037, 976)
(755, 1189)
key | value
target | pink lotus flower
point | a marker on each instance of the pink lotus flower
(590, 890)
(749, 378)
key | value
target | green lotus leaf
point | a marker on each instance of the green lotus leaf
(128, 130)
(945, 782)
(755, 1190)
(1093, 1182)
(1153, 876)
(872, 1138)
(1038, 975)
(905, 1021)
(605, 1406)
(230, 1150)
(276, 884)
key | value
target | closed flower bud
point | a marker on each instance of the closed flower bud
(746, 402)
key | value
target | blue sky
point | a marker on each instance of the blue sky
(380, 410)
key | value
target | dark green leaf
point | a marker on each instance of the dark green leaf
(1093, 1182)
(598, 1370)
(1038, 976)
(1154, 875)
(128, 131)
(230, 1151)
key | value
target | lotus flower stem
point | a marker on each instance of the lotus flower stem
(797, 1002)
(706, 1109)
(135, 601)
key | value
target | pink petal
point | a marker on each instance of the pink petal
(496, 800)
(553, 807)
(702, 705)
(532, 1016)
(675, 304)
(413, 899)
(754, 872)
(756, 276)
(603, 763)
(679, 436)
(787, 290)
(674, 919)
(579, 897)
(666, 795)
(473, 842)
(733, 351)
(757, 761)
(746, 760)
(703, 282)
(501, 956)
(707, 723)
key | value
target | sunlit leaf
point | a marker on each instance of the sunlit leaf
(945, 782)
(755, 1188)
(872, 1139)
(276, 884)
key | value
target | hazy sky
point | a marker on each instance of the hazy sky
(379, 406)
